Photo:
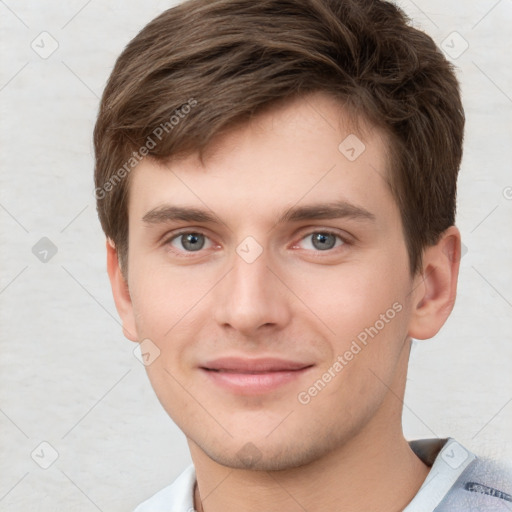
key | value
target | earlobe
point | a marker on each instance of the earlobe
(435, 289)
(120, 292)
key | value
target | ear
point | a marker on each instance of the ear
(435, 287)
(121, 293)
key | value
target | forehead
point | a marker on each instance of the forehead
(304, 151)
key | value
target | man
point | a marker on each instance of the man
(276, 181)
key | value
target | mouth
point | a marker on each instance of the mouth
(253, 376)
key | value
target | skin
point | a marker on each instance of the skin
(344, 449)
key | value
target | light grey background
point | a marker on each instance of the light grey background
(67, 375)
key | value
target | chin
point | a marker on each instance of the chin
(262, 456)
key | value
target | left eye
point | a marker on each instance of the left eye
(322, 241)
(190, 242)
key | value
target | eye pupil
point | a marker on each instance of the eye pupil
(324, 240)
(193, 241)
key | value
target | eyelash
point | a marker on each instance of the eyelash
(344, 239)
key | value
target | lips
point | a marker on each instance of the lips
(253, 376)
(265, 365)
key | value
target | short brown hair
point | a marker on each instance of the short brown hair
(205, 65)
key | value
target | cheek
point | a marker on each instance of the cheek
(165, 299)
(164, 313)
(366, 311)
(348, 300)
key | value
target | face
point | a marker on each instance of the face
(273, 284)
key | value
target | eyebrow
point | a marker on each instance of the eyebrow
(333, 210)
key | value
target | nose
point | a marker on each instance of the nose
(252, 297)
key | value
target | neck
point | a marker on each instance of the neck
(364, 475)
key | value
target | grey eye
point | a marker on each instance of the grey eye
(191, 241)
(323, 241)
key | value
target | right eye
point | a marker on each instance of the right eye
(189, 241)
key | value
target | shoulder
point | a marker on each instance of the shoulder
(485, 485)
(459, 480)
(177, 497)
